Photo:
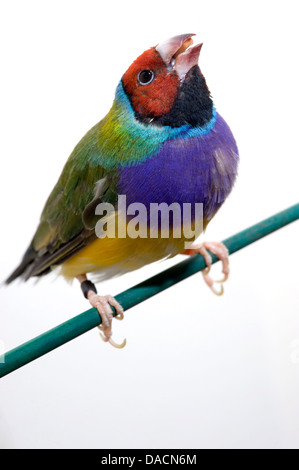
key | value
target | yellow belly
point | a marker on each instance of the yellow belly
(112, 256)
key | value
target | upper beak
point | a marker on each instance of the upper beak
(177, 53)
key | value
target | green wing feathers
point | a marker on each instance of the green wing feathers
(62, 230)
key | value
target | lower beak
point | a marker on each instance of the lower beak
(178, 54)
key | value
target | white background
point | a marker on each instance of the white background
(198, 371)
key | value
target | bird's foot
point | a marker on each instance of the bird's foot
(219, 250)
(103, 305)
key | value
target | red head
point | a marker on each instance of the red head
(154, 80)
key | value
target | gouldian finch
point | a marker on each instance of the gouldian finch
(161, 142)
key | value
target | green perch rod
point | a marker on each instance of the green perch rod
(84, 322)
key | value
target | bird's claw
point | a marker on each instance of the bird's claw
(103, 305)
(219, 250)
(112, 342)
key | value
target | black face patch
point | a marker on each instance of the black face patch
(193, 104)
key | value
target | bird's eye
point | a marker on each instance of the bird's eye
(145, 77)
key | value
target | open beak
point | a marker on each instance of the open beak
(178, 54)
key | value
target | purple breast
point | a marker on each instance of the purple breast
(186, 170)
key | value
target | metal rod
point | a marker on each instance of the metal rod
(84, 322)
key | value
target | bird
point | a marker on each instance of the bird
(162, 142)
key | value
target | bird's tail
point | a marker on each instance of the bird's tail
(23, 266)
